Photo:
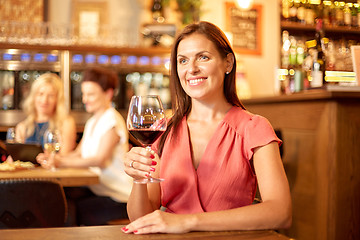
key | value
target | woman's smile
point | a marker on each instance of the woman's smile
(196, 81)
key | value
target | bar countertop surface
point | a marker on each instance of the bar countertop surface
(114, 232)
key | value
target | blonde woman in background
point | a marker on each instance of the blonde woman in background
(102, 147)
(45, 108)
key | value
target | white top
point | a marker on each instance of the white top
(114, 182)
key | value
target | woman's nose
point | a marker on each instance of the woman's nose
(44, 99)
(194, 67)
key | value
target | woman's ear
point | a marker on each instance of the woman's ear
(230, 58)
(109, 93)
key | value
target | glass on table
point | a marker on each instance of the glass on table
(10, 135)
(52, 144)
(146, 121)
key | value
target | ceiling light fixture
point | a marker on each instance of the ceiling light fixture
(244, 4)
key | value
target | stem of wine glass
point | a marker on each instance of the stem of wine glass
(148, 148)
(52, 155)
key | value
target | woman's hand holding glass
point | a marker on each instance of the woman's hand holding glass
(141, 163)
(146, 121)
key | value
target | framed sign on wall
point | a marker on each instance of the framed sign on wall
(245, 27)
(89, 17)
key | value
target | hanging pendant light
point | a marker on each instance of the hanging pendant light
(244, 4)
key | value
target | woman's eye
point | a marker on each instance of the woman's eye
(202, 57)
(182, 61)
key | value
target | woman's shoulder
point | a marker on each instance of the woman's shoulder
(238, 113)
(114, 114)
(69, 123)
(239, 118)
(20, 124)
(69, 119)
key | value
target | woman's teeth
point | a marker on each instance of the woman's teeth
(196, 81)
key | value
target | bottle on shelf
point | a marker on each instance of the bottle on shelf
(327, 12)
(293, 10)
(332, 13)
(358, 14)
(309, 13)
(339, 13)
(319, 58)
(285, 8)
(301, 12)
(354, 13)
(285, 50)
(292, 65)
(157, 13)
(347, 14)
(299, 74)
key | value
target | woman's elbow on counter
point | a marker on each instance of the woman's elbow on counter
(286, 219)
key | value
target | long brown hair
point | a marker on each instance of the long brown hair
(181, 102)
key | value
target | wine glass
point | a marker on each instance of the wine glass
(146, 121)
(52, 143)
(10, 135)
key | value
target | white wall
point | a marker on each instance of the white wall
(59, 11)
(260, 70)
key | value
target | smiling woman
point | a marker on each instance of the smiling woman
(211, 175)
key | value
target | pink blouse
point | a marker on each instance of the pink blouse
(224, 178)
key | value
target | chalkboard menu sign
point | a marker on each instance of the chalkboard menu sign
(245, 27)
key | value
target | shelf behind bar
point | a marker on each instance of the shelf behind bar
(308, 27)
(91, 48)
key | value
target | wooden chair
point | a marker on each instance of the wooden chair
(26, 203)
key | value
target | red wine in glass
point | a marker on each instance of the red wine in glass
(146, 137)
(146, 121)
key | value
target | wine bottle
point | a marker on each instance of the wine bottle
(299, 71)
(319, 63)
(293, 12)
(301, 12)
(156, 10)
(309, 13)
(285, 10)
(347, 14)
(358, 14)
(339, 13)
(354, 17)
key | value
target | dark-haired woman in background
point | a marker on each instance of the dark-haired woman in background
(103, 145)
(213, 154)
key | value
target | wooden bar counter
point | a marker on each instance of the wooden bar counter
(321, 134)
(114, 232)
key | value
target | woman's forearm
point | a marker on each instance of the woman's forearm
(139, 203)
(267, 215)
(76, 161)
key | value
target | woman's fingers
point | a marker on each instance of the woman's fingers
(45, 160)
(139, 163)
(158, 222)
